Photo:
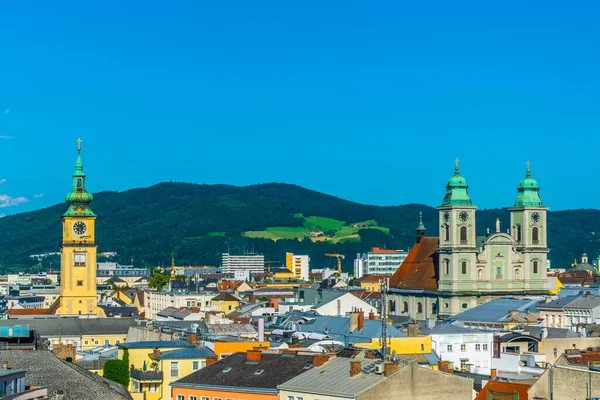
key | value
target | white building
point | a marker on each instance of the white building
(468, 349)
(251, 263)
(298, 264)
(384, 262)
(28, 279)
(154, 302)
(360, 265)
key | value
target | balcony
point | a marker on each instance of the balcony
(146, 376)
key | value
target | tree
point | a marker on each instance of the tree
(157, 281)
(181, 277)
(117, 371)
(126, 356)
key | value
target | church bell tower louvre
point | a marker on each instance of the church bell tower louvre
(78, 249)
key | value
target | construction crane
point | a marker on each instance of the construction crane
(339, 257)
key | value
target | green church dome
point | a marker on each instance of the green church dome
(528, 192)
(456, 190)
(79, 198)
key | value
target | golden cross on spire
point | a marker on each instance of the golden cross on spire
(456, 161)
(79, 144)
(528, 166)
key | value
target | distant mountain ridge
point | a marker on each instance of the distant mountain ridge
(196, 223)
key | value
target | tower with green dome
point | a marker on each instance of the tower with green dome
(457, 242)
(78, 249)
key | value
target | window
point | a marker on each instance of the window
(419, 308)
(449, 348)
(518, 232)
(465, 305)
(79, 283)
(174, 369)
(477, 347)
(463, 268)
(86, 342)
(463, 235)
(79, 259)
(446, 267)
(479, 274)
(535, 235)
(485, 347)
(463, 347)
(204, 398)
(79, 182)
(153, 387)
(192, 398)
(405, 307)
(290, 398)
(446, 233)
(117, 341)
(535, 267)
(180, 397)
(96, 342)
(106, 342)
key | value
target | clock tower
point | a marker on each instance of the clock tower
(78, 249)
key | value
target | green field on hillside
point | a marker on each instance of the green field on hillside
(333, 230)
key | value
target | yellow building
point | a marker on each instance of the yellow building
(226, 302)
(298, 265)
(371, 283)
(155, 364)
(78, 250)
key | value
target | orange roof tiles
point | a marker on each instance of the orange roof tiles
(504, 390)
(418, 271)
(27, 311)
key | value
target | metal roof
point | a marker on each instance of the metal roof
(333, 378)
(197, 352)
(72, 326)
(339, 328)
(155, 344)
(496, 310)
(558, 303)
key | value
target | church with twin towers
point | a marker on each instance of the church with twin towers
(457, 270)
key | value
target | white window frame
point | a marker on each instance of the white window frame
(174, 363)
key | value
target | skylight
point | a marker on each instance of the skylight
(260, 371)
(227, 369)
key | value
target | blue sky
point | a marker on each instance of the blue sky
(369, 101)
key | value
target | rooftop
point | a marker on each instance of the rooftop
(496, 310)
(155, 344)
(185, 353)
(72, 326)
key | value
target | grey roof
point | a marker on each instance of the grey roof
(71, 326)
(235, 371)
(559, 303)
(122, 311)
(553, 333)
(451, 329)
(186, 353)
(496, 310)
(153, 344)
(46, 370)
(167, 312)
(339, 328)
(578, 290)
(585, 302)
(333, 378)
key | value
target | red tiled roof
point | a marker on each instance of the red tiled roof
(372, 278)
(418, 269)
(27, 311)
(503, 390)
(378, 250)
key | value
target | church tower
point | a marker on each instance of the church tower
(529, 228)
(421, 230)
(457, 243)
(78, 249)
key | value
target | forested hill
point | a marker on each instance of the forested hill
(196, 223)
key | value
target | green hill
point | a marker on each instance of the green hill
(196, 223)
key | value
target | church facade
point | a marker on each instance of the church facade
(78, 250)
(457, 270)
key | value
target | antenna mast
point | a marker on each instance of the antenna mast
(383, 283)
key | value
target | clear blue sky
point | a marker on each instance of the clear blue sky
(369, 101)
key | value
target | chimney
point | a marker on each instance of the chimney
(261, 330)
(354, 367)
(389, 368)
(493, 373)
(353, 321)
(413, 329)
(253, 355)
(369, 355)
(156, 351)
(320, 359)
(211, 360)
(513, 313)
(192, 339)
(544, 333)
(5, 365)
(444, 366)
(361, 320)
(371, 315)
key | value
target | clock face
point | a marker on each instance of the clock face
(79, 228)
(535, 217)
(446, 216)
(464, 217)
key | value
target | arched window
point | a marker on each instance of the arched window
(405, 307)
(419, 308)
(479, 274)
(463, 235)
(535, 267)
(535, 235)
(79, 182)
(518, 233)
(463, 267)
(446, 267)
(446, 232)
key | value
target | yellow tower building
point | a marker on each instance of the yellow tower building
(78, 250)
